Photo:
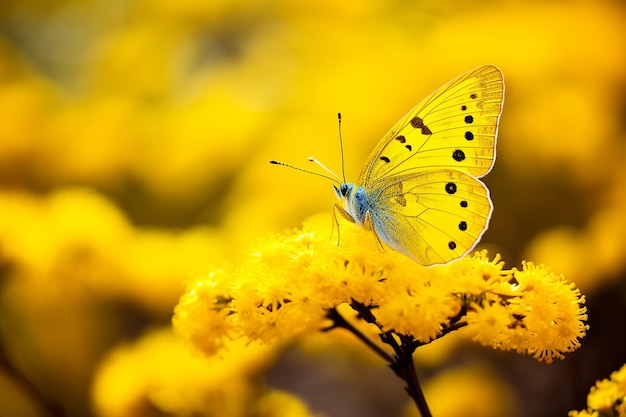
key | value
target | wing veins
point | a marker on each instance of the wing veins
(437, 94)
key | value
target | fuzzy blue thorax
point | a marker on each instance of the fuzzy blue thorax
(355, 201)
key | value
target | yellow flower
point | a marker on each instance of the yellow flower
(292, 284)
(412, 314)
(281, 404)
(542, 315)
(158, 373)
(478, 391)
(206, 298)
(583, 413)
(607, 397)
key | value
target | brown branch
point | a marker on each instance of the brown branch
(401, 362)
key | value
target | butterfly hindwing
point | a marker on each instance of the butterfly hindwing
(432, 216)
(455, 127)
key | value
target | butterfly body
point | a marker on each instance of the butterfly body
(361, 208)
(420, 190)
(355, 201)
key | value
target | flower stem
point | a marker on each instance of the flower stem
(340, 321)
(407, 366)
(404, 367)
(401, 363)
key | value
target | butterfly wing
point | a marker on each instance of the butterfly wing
(432, 216)
(455, 127)
(421, 180)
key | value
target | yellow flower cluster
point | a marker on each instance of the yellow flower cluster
(76, 239)
(542, 315)
(129, 384)
(607, 397)
(291, 282)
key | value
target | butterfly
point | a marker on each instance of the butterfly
(420, 190)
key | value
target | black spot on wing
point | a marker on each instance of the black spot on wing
(450, 188)
(418, 123)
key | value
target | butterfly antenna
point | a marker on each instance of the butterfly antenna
(343, 165)
(333, 179)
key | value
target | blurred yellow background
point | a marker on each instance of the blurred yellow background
(134, 145)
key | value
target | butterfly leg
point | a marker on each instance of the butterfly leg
(368, 225)
(344, 214)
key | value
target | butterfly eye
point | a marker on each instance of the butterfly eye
(343, 191)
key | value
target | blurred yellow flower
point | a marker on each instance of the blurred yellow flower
(477, 392)
(76, 236)
(607, 397)
(134, 140)
(159, 372)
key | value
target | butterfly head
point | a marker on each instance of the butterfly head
(343, 191)
(355, 202)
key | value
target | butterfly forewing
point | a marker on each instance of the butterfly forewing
(423, 194)
(453, 128)
(432, 216)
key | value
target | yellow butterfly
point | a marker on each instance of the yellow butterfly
(419, 190)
